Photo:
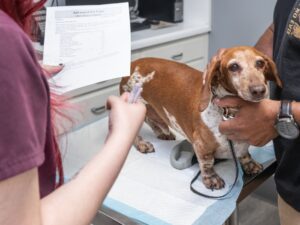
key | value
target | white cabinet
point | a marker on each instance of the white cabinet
(198, 64)
(135, 55)
(192, 51)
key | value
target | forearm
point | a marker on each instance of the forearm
(265, 42)
(77, 201)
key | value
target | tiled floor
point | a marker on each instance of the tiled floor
(253, 211)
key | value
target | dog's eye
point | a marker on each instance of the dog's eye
(234, 67)
(260, 63)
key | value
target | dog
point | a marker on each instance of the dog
(179, 97)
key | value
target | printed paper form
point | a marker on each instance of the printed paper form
(93, 42)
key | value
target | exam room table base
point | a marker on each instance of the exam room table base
(109, 217)
(250, 184)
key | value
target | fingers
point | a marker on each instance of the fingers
(227, 127)
(125, 96)
(52, 69)
(231, 130)
(111, 101)
(234, 137)
(230, 102)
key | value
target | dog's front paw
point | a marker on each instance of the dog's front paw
(145, 147)
(252, 167)
(168, 137)
(213, 182)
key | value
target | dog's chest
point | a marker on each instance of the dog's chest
(212, 117)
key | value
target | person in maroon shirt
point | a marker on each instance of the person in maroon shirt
(29, 155)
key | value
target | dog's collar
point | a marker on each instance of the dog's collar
(227, 112)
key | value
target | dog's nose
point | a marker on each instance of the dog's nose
(257, 91)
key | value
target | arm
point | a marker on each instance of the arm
(265, 42)
(77, 201)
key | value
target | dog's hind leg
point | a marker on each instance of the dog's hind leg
(159, 127)
(161, 130)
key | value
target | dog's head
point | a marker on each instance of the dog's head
(243, 71)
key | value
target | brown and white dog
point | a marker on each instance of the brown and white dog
(180, 97)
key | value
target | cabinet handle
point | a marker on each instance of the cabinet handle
(177, 57)
(98, 110)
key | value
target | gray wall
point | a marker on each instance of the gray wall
(238, 22)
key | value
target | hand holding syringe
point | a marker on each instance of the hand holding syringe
(135, 93)
(135, 84)
(126, 113)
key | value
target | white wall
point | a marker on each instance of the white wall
(238, 22)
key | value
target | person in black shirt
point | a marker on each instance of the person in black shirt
(276, 119)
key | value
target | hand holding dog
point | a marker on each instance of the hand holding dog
(253, 123)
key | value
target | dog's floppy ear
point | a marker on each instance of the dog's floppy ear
(271, 72)
(212, 71)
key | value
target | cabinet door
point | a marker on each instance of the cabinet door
(198, 64)
(183, 50)
(135, 55)
(85, 109)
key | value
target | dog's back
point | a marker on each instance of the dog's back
(173, 91)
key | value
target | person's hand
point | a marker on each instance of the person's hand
(125, 119)
(51, 70)
(253, 123)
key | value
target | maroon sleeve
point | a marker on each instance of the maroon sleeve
(23, 103)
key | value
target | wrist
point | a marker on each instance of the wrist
(296, 111)
(286, 125)
(273, 110)
(119, 139)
